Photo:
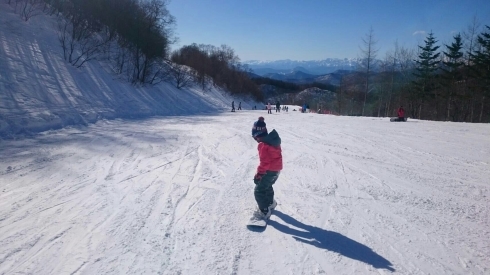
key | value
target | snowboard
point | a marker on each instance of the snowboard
(256, 221)
(395, 119)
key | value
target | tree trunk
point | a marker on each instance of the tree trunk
(481, 109)
(388, 104)
(472, 109)
(379, 106)
(448, 107)
(365, 94)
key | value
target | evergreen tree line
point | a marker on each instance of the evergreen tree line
(449, 82)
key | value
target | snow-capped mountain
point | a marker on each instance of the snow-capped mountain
(300, 75)
(296, 75)
(318, 67)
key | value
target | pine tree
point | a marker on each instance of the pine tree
(481, 60)
(452, 70)
(427, 64)
(470, 45)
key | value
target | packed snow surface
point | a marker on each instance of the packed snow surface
(172, 195)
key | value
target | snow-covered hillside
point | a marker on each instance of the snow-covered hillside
(39, 90)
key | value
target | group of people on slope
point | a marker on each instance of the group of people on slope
(400, 111)
(268, 107)
(278, 107)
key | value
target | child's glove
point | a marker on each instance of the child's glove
(257, 178)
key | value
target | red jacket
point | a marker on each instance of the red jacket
(270, 158)
(401, 112)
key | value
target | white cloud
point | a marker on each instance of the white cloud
(419, 33)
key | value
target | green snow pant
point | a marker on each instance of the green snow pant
(264, 193)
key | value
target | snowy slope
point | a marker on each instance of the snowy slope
(172, 196)
(41, 91)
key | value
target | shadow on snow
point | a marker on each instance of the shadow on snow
(331, 241)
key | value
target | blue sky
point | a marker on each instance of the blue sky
(319, 29)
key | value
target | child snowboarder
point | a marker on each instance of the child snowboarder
(270, 156)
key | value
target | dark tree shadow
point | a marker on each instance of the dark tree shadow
(331, 241)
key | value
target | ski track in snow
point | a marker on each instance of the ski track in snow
(171, 195)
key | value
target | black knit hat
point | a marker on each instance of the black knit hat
(259, 129)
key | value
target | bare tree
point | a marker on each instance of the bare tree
(88, 50)
(470, 45)
(392, 58)
(470, 38)
(120, 59)
(78, 41)
(383, 82)
(405, 68)
(63, 26)
(368, 60)
(30, 8)
(27, 8)
(180, 75)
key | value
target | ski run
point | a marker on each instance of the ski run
(172, 195)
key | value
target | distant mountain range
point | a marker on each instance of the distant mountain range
(298, 76)
(312, 67)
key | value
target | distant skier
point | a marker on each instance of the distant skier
(233, 106)
(269, 108)
(239, 105)
(278, 107)
(270, 156)
(401, 114)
